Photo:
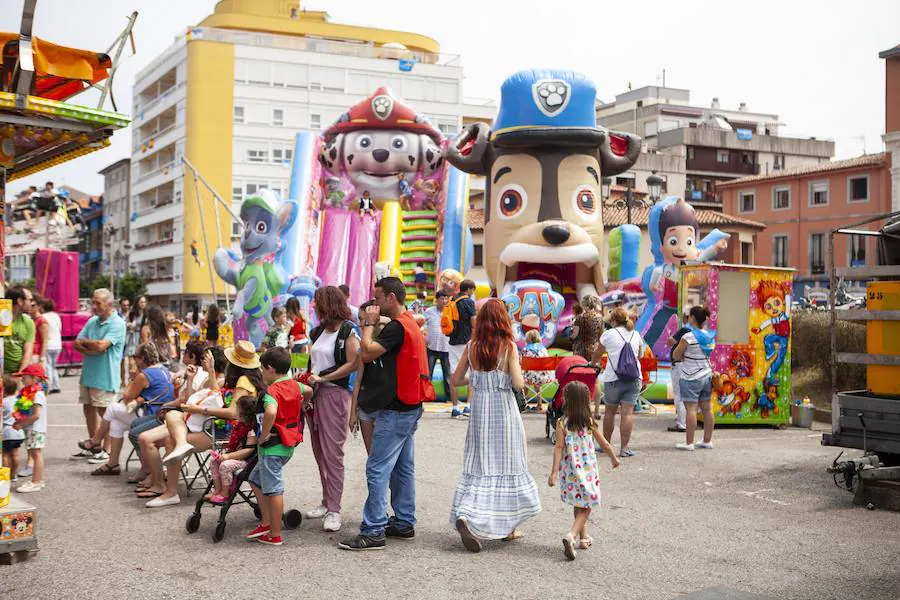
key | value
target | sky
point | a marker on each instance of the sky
(814, 63)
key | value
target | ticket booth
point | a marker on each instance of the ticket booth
(750, 311)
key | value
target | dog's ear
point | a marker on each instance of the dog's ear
(332, 154)
(430, 157)
(619, 152)
(472, 151)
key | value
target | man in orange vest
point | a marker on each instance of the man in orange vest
(394, 384)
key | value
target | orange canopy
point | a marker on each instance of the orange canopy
(60, 72)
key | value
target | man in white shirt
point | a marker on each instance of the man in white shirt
(437, 343)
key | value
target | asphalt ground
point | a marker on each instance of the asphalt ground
(758, 514)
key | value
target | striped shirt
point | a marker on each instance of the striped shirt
(695, 364)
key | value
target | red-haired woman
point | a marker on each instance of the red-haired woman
(334, 357)
(495, 493)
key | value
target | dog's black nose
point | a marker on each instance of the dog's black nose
(381, 155)
(556, 234)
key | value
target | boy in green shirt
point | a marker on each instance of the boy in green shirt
(279, 432)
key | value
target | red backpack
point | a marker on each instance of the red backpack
(413, 379)
(289, 397)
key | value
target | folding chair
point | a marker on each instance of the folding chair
(538, 386)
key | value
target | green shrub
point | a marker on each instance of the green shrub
(811, 346)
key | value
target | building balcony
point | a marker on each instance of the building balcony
(710, 164)
(153, 215)
(701, 198)
(157, 139)
(728, 140)
(165, 173)
(160, 103)
(156, 249)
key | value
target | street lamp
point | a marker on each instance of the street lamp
(605, 185)
(654, 182)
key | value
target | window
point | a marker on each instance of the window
(478, 255)
(253, 188)
(236, 228)
(817, 253)
(237, 193)
(747, 202)
(722, 156)
(640, 103)
(857, 250)
(238, 114)
(780, 251)
(746, 158)
(282, 155)
(625, 181)
(257, 156)
(818, 193)
(858, 189)
(277, 117)
(315, 121)
(746, 253)
(447, 129)
(779, 162)
(690, 153)
(259, 73)
(781, 198)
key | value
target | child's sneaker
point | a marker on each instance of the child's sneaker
(684, 446)
(455, 413)
(704, 445)
(260, 531)
(466, 412)
(271, 541)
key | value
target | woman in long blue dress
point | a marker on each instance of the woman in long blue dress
(495, 493)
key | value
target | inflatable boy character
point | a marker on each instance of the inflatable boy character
(449, 281)
(255, 273)
(676, 237)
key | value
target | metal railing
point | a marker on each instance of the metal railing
(152, 102)
(156, 134)
(163, 168)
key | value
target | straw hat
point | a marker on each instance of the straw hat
(243, 355)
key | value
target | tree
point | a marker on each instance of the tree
(129, 286)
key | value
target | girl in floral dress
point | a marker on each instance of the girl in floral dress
(575, 464)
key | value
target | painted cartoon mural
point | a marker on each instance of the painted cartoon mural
(751, 358)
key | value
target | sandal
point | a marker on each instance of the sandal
(107, 470)
(514, 535)
(136, 479)
(89, 446)
(585, 543)
(148, 494)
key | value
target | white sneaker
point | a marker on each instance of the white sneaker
(332, 522)
(25, 471)
(29, 487)
(683, 446)
(704, 445)
(316, 513)
(99, 458)
(158, 502)
(177, 454)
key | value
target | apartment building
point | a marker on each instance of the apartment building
(712, 144)
(116, 216)
(229, 96)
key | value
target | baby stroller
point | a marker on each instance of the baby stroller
(570, 368)
(237, 494)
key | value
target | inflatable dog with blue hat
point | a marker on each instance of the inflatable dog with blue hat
(543, 160)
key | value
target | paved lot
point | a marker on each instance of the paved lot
(757, 514)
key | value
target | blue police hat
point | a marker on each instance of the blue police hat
(547, 106)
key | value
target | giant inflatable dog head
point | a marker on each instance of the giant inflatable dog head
(376, 141)
(543, 162)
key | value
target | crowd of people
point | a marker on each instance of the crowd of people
(369, 370)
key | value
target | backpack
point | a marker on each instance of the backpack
(627, 369)
(449, 317)
(340, 350)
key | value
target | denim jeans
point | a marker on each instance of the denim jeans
(444, 357)
(391, 465)
(139, 426)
